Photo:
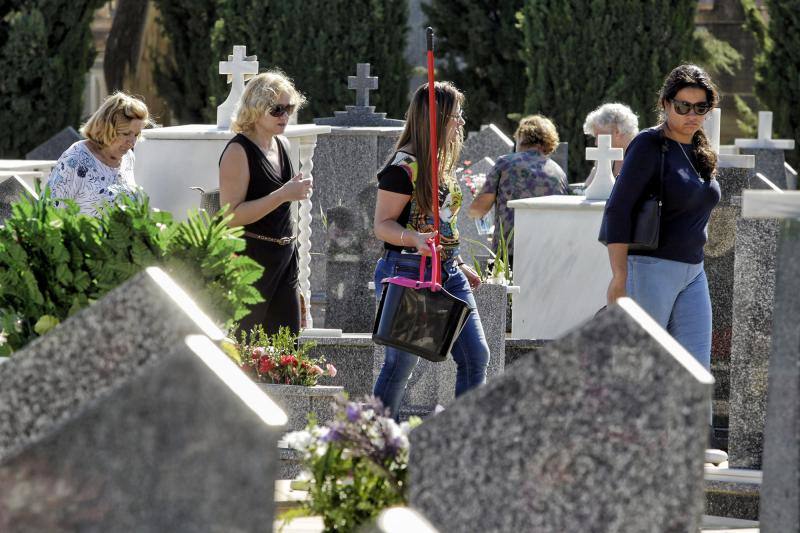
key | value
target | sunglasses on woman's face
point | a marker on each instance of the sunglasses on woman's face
(279, 109)
(682, 108)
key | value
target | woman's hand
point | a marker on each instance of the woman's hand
(616, 289)
(420, 241)
(472, 276)
(297, 188)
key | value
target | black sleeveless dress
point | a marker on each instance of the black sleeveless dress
(279, 284)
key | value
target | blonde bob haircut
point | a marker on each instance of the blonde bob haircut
(260, 94)
(537, 131)
(114, 115)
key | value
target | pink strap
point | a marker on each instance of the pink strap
(423, 262)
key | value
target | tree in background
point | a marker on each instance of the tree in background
(479, 46)
(45, 52)
(318, 43)
(778, 66)
(188, 78)
(622, 53)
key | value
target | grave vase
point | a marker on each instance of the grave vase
(298, 401)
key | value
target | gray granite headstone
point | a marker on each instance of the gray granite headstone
(433, 384)
(569, 440)
(791, 177)
(170, 448)
(12, 190)
(561, 156)
(352, 355)
(53, 147)
(47, 381)
(346, 162)
(467, 226)
(719, 256)
(362, 114)
(753, 298)
(780, 491)
(488, 142)
(768, 152)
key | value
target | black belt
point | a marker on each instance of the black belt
(283, 241)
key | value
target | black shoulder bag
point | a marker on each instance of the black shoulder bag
(647, 221)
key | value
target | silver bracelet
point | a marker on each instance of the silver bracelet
(402, 234)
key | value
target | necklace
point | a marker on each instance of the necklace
(687, 159)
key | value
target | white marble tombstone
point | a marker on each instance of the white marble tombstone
(236, 67)
(604, 154)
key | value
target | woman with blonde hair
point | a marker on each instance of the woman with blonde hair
(404, 221)
(95, 171)
(258, 184)
(526, 173)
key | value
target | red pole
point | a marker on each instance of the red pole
(436, 273)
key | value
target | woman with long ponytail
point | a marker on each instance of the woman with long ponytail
(669, 282)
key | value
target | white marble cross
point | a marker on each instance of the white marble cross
(771, 204)
(362, 83)
(236, 67)
(711, 126)
(765, 139)
(604, 154)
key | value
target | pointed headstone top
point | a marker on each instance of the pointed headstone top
(765, 139)
(238, 67)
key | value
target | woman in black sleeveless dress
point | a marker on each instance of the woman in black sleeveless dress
(257, 182)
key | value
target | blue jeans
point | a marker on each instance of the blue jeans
(676, 295)
(470, 350)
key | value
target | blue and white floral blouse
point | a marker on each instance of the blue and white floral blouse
(80, 176)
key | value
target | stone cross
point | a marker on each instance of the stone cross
(765, 139)
(711, 125)
(362, 83)
(604, 154)
(780, 491)
(236, 67)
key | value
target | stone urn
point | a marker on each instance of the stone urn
(298, 401)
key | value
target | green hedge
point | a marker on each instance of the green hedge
(317, 43)
(45, 52)
(479, 49)
(579, 55)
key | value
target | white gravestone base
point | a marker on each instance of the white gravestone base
(561, 268)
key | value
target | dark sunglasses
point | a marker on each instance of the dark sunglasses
(279, 109)
(683, 108)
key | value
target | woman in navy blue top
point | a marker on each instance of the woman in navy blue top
(669, 282)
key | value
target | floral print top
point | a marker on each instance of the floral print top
(80, 176)
(521, 175)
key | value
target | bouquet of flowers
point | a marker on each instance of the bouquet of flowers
(277, 358)
(356, 466)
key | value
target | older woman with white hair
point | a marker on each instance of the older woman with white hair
(617, 120)
(258, 184)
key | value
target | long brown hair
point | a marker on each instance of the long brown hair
(416, 133)
(693, 76)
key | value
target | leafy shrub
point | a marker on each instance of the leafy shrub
(55, 261)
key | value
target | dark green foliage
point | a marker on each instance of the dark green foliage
(188, 77)
(45, 52)
(318, 43)
(55, 261)
(581, 55)
(479, 46)
(778, 66)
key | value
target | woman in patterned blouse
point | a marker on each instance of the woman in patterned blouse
(95, 171)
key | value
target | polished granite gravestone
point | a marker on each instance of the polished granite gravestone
(719, 258)
(780, 492)
(53, 147)
(48, 380)
(489, 142)
(753, 299)
(170, 447)
(568, 440)
(12, 190)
